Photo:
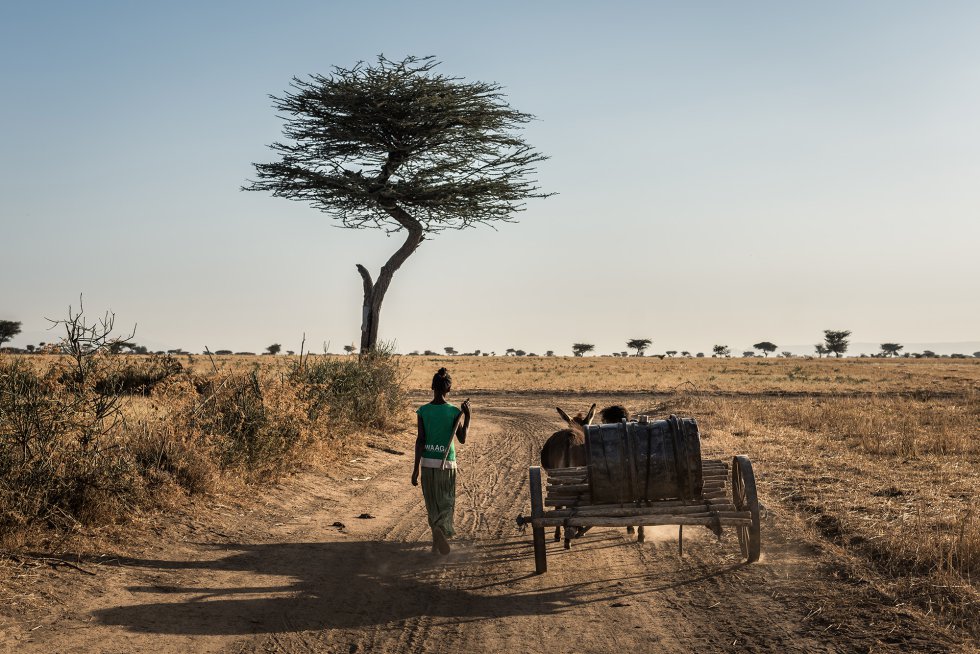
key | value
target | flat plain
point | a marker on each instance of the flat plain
(868, 470)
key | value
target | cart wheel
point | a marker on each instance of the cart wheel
(537, 511)
(745, 499)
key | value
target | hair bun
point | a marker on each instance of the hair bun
(442, 371)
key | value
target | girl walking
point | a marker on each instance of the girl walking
(436, 456)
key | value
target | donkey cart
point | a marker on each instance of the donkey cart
(645, 473)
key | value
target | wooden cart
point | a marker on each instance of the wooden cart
(671, 485)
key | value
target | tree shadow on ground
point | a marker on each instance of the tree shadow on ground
(338, 585)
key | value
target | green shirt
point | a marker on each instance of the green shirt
(437, 420)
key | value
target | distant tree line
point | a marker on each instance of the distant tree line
(835, 342)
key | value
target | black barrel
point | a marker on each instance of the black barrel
(634, 461)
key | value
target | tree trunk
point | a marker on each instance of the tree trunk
(374, 291)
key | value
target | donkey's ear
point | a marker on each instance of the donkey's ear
(590, 415)
(564, 416)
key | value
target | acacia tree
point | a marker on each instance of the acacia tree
(721, 350)
(579, 349)
(836, 341)
(891, 349)
(766, 347)
(638, 344)
(8, 329)
(397, 147)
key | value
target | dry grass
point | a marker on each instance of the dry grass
(881, 456)
(611, 374)
(139, 433)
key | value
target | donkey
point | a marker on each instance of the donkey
(566, 449)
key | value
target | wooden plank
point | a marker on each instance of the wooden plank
(640, 520)
(560, 481)
(557, 472)
(568, 488)
(600, 510)
(571, 502)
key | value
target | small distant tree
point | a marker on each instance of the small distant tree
(685, 353)
(766, 347)
(8, 329)
(786, 354)
(549, 353)
(428, 353)
(977, 355)
(509, 351)
(449, 350)
(290, 352)
(928, 354)
(639, 344)
(891, 349)
(671, 353)
(699, 355)
(721, 350)
(351, 349)
(30, 348)
(520, 353)
(274, 349)
(223, 352)
(820, 350)
(580, 349)
(748, 353)
(836, 341)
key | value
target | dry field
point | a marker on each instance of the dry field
(868, 471)
(882, 456)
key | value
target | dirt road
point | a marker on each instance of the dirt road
(275, 574)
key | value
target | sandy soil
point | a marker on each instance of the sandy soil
(275, 573)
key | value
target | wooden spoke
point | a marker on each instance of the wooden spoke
(744, 498)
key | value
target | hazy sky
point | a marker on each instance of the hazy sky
(727, 173)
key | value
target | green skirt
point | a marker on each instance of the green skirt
(439, 492)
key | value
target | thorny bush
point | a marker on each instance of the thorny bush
(96, 434)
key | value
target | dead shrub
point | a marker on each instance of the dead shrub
(166, 457)
(251, 424)
(96, 435)
(363, 393)
(138, 377)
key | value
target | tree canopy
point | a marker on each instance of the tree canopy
(721, 350)
(398, 147)
(8, 329)
(766, 347)
(836, 341)
(891, 349)
(639, 344)
(578, 349)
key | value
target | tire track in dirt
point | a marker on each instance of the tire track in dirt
(608, 593)
(481, 501)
